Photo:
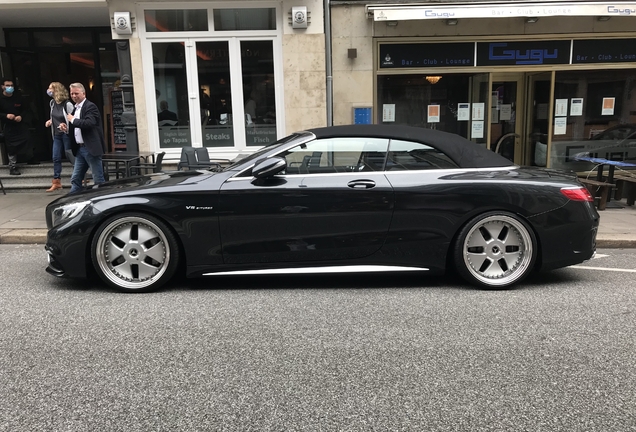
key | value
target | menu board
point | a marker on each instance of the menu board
(118, 134)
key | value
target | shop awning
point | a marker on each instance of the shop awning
(394, 12)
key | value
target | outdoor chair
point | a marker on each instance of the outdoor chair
(147, 168)
(196, 158)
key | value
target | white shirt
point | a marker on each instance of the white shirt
(78, 132)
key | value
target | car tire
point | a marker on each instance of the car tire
(495, 250)
(134, 252)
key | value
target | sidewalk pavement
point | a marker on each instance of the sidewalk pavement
(22, 220)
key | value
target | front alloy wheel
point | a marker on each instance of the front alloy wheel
(135, 253)
(495, 250)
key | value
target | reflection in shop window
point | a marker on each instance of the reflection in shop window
(598, 117)
(215, 94)
(171, 91)
(257, 58)
(187, 20)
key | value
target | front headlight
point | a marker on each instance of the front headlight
(67, 212)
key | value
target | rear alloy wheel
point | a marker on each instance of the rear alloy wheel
(134, 253)
(495, 250)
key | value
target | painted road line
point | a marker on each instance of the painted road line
(604, 268)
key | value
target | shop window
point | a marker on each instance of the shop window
(215, 94)
(62, 38)
(257, 64)
(244, 19)
(171, 91)
(454, 103)
(594, 112)
(172, 20)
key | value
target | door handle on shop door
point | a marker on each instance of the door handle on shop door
(361, 184)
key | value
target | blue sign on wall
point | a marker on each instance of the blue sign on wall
(362, 115)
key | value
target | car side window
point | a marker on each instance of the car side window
(406, 155)
(337, 155)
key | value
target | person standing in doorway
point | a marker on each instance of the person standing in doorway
(61, 106)
(16, 132)
(87, 138)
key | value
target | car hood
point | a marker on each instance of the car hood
(164, 182)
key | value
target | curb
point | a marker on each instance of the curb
(24, 236)
(38, 236)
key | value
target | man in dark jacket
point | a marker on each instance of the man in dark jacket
(87, 138)
(16, 132)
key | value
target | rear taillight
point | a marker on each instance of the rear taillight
(577, 194)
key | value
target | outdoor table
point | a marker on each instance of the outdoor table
(601, 162)
(125, 160)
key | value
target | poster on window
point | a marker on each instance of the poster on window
(505, 113)
(576, 107)
(433, 113)
(388, 112)
(478, 111)
(561, 108)
(608, 106)
(560, 125)
(477, 130)
(463, 112)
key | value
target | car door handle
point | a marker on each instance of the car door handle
(361, 184)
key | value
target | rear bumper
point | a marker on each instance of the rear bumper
(572, 243)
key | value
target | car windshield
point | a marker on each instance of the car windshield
(259, 153)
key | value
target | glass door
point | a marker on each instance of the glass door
(537, 131)
(507, 115)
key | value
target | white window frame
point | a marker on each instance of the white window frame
(234, 39)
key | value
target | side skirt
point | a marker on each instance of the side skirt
(319, 270)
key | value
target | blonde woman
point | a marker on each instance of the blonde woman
(60, 107)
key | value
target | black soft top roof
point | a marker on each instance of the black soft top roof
(463, 152)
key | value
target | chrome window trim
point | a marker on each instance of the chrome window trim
(401, 172)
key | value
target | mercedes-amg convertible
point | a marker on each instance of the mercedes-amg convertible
(344, 198)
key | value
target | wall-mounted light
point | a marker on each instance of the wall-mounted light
(433, 79)
(531, 20)
(352, 53)
(603, 18)
(451, 22)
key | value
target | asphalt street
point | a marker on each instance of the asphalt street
(321, 353)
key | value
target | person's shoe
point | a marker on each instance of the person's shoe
(55, 185)
(14, 171)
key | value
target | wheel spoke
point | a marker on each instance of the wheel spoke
(146, 270)
(125, 270)
(144, 234)
(157, 252)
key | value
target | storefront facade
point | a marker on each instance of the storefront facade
(537, 83)
(230, 76)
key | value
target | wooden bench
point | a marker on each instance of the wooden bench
(599, 190)
(625, 182)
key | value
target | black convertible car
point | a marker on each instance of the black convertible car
(344, 198)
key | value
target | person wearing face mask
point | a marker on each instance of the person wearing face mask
(16, 132)
(61, 106)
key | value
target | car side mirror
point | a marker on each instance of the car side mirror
(269, 167)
